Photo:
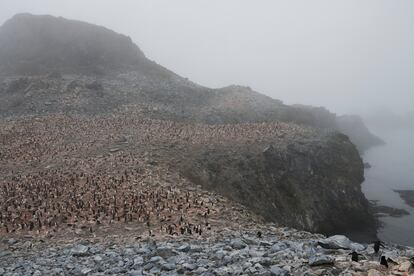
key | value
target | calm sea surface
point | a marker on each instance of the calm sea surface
(392, 168)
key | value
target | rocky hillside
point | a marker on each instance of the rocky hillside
(41, 44)
(119, 74)
(97, 132)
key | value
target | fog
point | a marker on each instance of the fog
(350, 56)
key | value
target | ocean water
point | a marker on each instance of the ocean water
(392, 169)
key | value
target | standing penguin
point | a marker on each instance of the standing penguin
(377, 246)
(384, 261)
(354, 256)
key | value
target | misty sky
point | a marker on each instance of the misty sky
(349, 55)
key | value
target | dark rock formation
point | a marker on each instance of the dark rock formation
(312, 185)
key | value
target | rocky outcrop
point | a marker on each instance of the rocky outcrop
(304, 184)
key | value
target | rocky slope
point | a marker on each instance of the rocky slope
(41, 44)
(125, 145)
(54, 46)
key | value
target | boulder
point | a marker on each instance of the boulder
(316, 260)
(340, 242)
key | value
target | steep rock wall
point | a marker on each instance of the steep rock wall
(312, 185)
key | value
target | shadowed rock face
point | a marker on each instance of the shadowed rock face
(38, 44)
(312, 185)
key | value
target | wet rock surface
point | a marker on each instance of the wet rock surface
(280, 251)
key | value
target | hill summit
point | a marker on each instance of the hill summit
(33, 44)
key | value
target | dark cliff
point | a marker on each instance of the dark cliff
(312, 184)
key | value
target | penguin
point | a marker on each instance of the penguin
(259, 234)
(354, 256)
(377, 246)
(384, 261)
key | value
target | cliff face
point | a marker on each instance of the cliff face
(313, 185)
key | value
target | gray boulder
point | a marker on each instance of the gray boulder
(340, 242)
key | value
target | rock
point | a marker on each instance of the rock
(138, 261)
(184, 248)
(405, 267)
(340, 242)
(168, 266)
(320, 260)
(135, 273)
(374, 272)
(238, 244)
(200, 271)
(4, 253)
(86, 271)
(278, 271)
(279, 246)
(12, 241)
(156, 259)
(80, 251)
(265, 243)
(165, 252)
(129, 252)
(189, 267)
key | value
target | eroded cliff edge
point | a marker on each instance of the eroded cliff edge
(312, 184)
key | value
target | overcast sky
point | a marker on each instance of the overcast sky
(349, 55)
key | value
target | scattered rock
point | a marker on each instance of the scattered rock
(184, 248)
(238, 244)
(278, 271)
(340, 242)
(80, 250)
(374, 272)
(320, 260)
(405, 267)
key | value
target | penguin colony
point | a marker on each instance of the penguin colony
(61, 171)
